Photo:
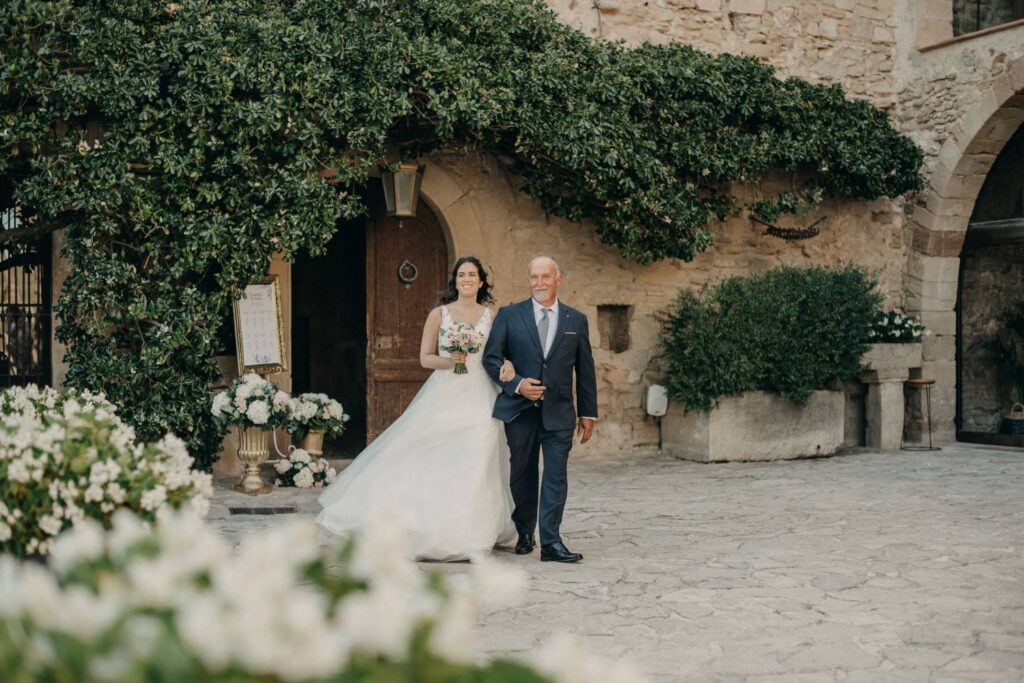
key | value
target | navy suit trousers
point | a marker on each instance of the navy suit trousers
(526, 437)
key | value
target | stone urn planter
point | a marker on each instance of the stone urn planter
(252, 453)
(756, 425)
(889, 367)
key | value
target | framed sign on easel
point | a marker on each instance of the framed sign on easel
(259, 328)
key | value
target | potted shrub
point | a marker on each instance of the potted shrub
(755, 365)
(311, 417)
(894, 341)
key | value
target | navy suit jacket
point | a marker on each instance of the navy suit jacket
(514, 336)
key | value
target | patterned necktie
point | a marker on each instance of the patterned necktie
(542, 329)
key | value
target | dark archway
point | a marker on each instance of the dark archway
(357, 316)
(329, 331)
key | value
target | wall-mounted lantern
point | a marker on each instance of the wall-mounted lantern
(402, 189)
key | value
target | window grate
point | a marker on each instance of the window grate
(25, 315)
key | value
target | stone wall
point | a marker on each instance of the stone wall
(506, 229)
(993, 279)
(852, 42)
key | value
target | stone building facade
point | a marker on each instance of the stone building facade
(959, 97)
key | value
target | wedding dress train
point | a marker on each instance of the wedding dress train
(441, 470)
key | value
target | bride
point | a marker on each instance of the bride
(441, 470)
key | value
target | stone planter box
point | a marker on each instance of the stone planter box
(756, 425)
(893, 357)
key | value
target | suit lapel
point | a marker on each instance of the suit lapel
(531, 325)
(563, 322)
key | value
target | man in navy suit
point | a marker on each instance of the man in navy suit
(546, 341)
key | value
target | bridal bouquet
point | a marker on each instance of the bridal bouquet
(251, 401)
(465, 339)
(315, 413)
(302, 471)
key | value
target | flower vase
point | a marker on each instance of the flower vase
(313, 443)
(252, 452)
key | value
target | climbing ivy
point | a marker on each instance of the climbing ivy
(181, 144)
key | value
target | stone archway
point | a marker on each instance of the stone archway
(939, 224)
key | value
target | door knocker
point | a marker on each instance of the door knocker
(407, 273)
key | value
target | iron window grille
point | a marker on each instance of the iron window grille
(25, 295)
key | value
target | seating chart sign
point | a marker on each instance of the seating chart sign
(259, 331)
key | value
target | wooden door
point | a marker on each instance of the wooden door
(406, 271)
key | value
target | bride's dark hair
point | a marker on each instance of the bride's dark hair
(483, 295)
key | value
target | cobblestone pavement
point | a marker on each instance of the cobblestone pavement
(864, 567)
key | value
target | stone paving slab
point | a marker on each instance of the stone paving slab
(890, 566)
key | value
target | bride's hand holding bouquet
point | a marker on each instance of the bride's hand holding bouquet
(463, 339)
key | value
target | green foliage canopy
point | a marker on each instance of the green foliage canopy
(181, 144)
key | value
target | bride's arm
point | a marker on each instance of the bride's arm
(508, 371)
(428, 345)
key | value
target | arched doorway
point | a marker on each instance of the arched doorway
(358, 312)
(939, 222)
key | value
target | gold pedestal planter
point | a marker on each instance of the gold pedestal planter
(313, 443)
(252, 452)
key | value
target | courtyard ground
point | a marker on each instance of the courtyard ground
(892, 566)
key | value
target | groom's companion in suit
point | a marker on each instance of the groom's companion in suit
(547, 342)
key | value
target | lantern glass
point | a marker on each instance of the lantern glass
(402, 189)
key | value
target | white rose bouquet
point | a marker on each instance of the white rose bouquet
(60, 467)
(465, 339)
(251, 401)
(315, 413)
(304, 472)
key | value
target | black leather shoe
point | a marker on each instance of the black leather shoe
(525, 544)
(557, 552)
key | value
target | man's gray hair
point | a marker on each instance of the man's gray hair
(558, 268)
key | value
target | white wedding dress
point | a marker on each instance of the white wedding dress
(441, 470)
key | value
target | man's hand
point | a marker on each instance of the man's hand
(585, 429)
(531, 388)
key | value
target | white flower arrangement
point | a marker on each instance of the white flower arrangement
(177, 602)
(32, 400)
(63, 462)
(895, 327)
(315, 413)
(251, 401)
(304, 472)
